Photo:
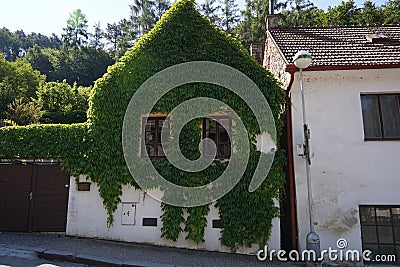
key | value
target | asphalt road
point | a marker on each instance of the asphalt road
(33, 262)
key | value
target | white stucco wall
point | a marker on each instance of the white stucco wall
(87, 218)
(346, 171)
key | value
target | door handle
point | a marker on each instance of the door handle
(30, 196)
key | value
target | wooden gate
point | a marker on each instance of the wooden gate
(33, 197)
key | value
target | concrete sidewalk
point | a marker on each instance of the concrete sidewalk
(94, 252)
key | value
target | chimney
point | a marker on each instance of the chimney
(257, 51)
(272, 19)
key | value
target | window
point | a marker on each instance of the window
(381, 116)
(213, 129)
(152, 136)
(380, 229)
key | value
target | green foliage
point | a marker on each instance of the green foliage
(76, 30)
(61, 97)
(302, 13)
(67, 142)
(23, 113)
(17, 79)
(95, 149)
(392, 12)
(73, 116)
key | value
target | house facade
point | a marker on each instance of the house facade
(352, 94)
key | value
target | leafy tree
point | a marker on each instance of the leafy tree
(210, 9)
(96, 37)
(23, 113)
(392, 12)
(61, 97)
(160, 6)
(17, 79)
(9, 45)
(230, 15)
(370, 14)
(344, 14)
(40, 60)
(76, 33)
(142, 15)
(252, 28)
(301, 13)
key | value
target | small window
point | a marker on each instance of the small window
(380, 229)
(381, 116)
(152, 136)
(213, 129)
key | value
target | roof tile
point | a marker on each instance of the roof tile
(340, 45)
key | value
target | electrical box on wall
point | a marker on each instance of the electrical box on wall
(128, 213)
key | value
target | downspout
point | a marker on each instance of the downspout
(292, 187)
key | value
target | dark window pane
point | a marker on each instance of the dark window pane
(371, 119)
(390, 115)
(373, 248)
(385, 234)
(387, 250)
(160, 151)
(223, 136)
(210, 125)
(396, 216)
(367, 215)
(150, 151)
(383, 216)
(369, 234)
(211, 135)
(152, 136)
(397, 234)
(225, 150)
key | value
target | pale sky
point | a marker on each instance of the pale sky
(50, 16)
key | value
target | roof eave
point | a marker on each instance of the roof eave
(291, 68)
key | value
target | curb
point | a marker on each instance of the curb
(94, 260)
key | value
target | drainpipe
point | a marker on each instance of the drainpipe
(292, 186)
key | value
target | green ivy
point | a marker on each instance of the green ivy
(95, 148)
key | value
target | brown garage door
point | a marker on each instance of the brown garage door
(33, 197)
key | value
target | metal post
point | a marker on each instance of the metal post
(307, 155)
(312, 239)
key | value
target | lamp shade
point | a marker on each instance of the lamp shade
(302, 59)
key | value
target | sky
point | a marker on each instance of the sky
(50, 16)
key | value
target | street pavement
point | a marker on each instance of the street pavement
(92, 252)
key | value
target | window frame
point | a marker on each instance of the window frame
(144, 153)
(382, 138)
(376, 224)
(217, 131)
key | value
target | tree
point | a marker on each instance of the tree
(23, 113)
(344, 14)
(75, 34)
(301, 13)
(96, 37)
(392, 12)
(230, 15)
(160, 6)
(142, 15)
(252, 28)
(211, 10)
(61, 97)
(40, 60)
(370, 14)
(17, 79)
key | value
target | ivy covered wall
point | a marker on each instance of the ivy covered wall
(95, 148)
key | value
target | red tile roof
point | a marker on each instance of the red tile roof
(340, 46)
